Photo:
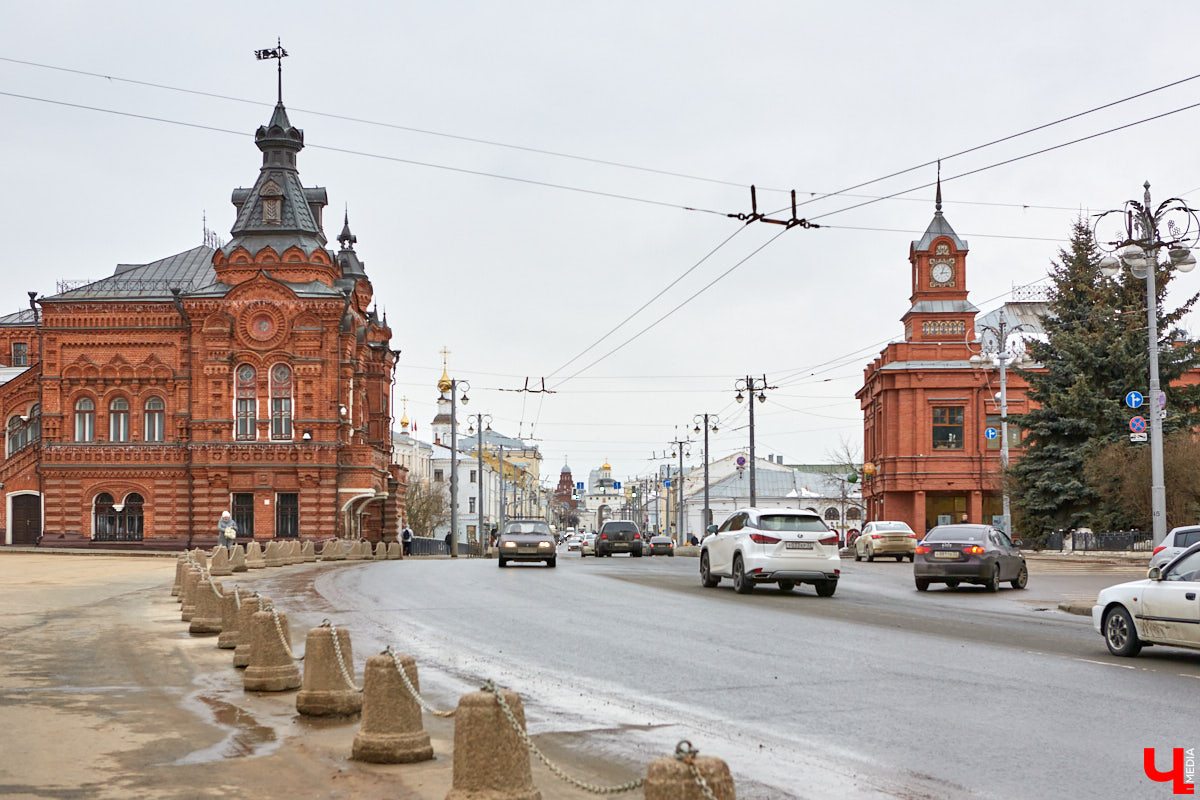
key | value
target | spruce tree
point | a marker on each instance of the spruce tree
(1093, 353)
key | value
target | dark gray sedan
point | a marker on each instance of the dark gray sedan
(526, 540)
(954, 554)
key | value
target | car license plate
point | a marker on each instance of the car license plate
(945, 554)
(799, 546)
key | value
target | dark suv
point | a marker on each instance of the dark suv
(619, 536)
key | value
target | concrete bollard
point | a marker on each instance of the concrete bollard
(220, 564)
(180, 565)
(200, 558)
(391, 730)
(308, 552)
(490, 760)
(380, 551)
(670, 778)
(207, 617)
(237, 559)
(290, 552)
(245, 644)
(297, 552)
(188, 594)
(354, 553)
(326, 691)
(272, 667)
(273, 554)
(254, 556)
(229, 620)
(395, 550)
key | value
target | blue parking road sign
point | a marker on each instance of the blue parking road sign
(1137, 424)
(991, 433)
(1134, 400)
(579, 486)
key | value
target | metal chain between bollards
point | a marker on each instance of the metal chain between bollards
(687, 754)
(237, 598)
(491, 686)
(412, 690)
(215, 590)
(279, 628)
(337, 651)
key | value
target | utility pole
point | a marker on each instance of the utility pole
(480, 421)
(454, 384)
(683, 447)
(501, 493)
(710, 423)
(750, 385)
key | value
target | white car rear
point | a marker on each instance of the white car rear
(781, 546)
(1178, 540)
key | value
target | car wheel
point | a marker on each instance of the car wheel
(870, 554)
(671, 554)
(503, 562)
(993, 583)
(911, 557)
(1022, 578)
(552, 562)
(951, 584)
(1119, 633)
(826, 588)
(706, 577)
(741, 584)
(787, 586)
(899, 559)
(636, 555)
(922, 584)
(857, 555)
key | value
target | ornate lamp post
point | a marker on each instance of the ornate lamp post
(1141, 240)
(1000, 356)
(480, 420)
(466, 387)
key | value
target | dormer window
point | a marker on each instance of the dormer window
(272, 203)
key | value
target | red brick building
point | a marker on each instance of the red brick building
(253, 377)
(926, 407)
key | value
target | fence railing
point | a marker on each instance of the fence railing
(1105, 541)
(425, 546)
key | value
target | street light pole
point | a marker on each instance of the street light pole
(480, 421)
(1002, 357)
(454, 460)
(1139, 252)
(750, 384)
(710, 422)
(684, 446)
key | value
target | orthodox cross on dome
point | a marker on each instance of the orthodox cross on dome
(277, 53)
(445, 384)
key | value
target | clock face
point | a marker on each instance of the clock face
(941, 273)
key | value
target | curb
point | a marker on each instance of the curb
(1079, 609)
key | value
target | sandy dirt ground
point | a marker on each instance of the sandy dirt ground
(105, 695)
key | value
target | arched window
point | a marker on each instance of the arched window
(104, 518)
(129, 518)
(35, 424)
(155, 420)
(281, 402)
(118, 420)
(831, 513)
(247, 403)
(16, 434)
(853, 513)
(85, 420)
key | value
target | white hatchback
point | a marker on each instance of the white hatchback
(1162, 609)
(776, 545)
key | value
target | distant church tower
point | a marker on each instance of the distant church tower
(939, 311)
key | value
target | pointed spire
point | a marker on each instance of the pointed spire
(937, 204)
(347, 238)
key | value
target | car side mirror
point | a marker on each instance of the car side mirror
(711, 529)
(1018, 543)
(1155, 574)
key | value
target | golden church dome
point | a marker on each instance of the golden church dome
(444, 384)
(607, 466)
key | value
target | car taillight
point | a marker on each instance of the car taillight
(912, 536)
(670, 544)
(1157, 549)
(974, 550)
(604, 536)
(924, 548)
(762, 538)
(829, 540)
(876, 536)
(636, 536)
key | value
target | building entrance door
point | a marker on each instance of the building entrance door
(26, 519)
(944, 509)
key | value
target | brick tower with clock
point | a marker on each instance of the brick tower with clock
(939, 310)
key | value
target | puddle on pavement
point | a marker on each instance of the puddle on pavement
(246, 738)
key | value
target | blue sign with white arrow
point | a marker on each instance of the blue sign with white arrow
(1134, 399)
(991, 433)
(579, 486)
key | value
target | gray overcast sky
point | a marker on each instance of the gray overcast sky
(515, 278)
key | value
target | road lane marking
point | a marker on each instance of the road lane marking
(1106, 663)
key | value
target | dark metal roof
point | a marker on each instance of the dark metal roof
(21, 319)
(939, 227)
(189, 270)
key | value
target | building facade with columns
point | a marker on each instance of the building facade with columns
(253, 377)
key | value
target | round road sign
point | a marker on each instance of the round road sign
(1137, 424)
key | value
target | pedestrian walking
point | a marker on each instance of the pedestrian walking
(224, 539)
(449, 550)
(406, 537)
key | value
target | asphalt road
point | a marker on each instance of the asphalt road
(879, 691)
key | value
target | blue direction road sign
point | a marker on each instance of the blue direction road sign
(991, 433)
(579, 486)
(616, 484)
(1137, 424)
(1134, 400)
(667, 483)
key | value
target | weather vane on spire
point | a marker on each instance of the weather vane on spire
(279, 54)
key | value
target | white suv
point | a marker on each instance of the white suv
(1178, 540)
(782, 546)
